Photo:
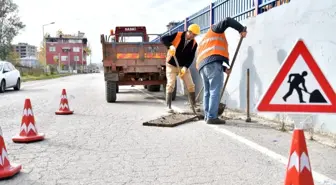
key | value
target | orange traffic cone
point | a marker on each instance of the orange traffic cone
(64, 108)
(299, 171)
(7, 169)
(28, 130)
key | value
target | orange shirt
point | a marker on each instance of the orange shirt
(211, 44)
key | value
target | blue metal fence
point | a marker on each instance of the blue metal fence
(217, 11)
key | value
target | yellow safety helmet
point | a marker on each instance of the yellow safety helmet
(195, 29)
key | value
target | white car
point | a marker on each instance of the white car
(9, 77)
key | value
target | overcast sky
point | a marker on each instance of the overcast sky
(95, 17)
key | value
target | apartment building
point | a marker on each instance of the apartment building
(67, 51)
(25, 50)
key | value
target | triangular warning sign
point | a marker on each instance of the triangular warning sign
(319, 100)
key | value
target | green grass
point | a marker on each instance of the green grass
(26, 78)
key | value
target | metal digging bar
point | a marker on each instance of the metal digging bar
(221, 107)
(175, 119)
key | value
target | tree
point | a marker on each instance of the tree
(10, 25)
(13, 57)
(87, 50)
(41, 53)
(59, 33)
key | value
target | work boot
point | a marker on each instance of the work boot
(215, 121)
(192, 101)
(168, 101)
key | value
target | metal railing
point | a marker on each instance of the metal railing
(217, 11)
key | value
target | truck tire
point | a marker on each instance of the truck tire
(117, 88)
(153, 88)
(111, 91)
(174, 92)
(145, 86)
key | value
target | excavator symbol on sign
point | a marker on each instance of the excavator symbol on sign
(315, 96)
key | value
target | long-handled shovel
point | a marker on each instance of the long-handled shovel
(192, 106)
(221, 106)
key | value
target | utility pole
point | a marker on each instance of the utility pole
(59, 62)
(90, 57)
(43, 42)
(69, 61)
(82, 57)
(76, 64)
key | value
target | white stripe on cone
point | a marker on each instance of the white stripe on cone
(299, 164)
(62, 106)
(27, 129)
(4, 156)
(28, 112)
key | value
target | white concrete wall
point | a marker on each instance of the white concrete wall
(271, 36)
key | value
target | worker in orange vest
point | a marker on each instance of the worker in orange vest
(212, 51)
(183, 46)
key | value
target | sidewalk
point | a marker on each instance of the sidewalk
(267, 137)
(237, 115)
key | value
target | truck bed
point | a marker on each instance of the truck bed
(132, 57)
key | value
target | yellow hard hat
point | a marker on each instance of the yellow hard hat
(195, 29)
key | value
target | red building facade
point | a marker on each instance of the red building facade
(66, 51)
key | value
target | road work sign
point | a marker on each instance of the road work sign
(299, 87)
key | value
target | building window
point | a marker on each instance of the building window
(76, 58)
(64, 58)
(76, 49)
(52, 49)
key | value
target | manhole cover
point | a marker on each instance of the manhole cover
(172, 120)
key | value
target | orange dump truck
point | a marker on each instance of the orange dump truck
(130, 59)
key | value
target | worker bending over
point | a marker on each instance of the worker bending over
(183, 46)
(212, 51)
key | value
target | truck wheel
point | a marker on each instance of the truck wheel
(145, 86)
(111, 91)
(117, 88)
(174, 92)
(153, 88)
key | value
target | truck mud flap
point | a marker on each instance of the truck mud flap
(172, 120)
(111, 77)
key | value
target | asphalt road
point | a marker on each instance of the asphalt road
(104, 143)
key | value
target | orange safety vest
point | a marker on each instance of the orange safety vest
(211, 44)
(176, 42)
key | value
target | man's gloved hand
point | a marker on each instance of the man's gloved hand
(244, 32)
(226, 70)
(183, 71)
(172, 50)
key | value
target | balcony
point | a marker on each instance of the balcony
(66, 49)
